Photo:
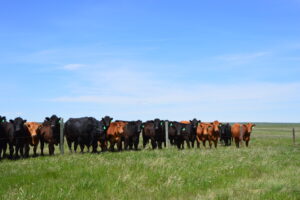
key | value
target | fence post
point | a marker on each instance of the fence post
(61, 143)
(294, 136)
(167, 133)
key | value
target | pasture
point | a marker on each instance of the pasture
(268, 169)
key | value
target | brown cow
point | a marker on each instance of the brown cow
(34, 133)
(214, 133)
(202, 132)
(241, 132)
(115, 132)
(185, 122)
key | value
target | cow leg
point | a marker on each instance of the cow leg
(42, 148)
(27, 149)
(11, 150)
(75, 145)
(210, 144)
(178, 144)
(153, 142)
(237, 142)
(81, 147)
(34, 150)
(95, 146)
(4, 149)
(126, 143)
(17, 149)
(159, 144)
(247, 142)
(69, 145)
(216, 143)
(51, 149)
(119, 145)
(136, 142)
(145, 141)
(187, 140)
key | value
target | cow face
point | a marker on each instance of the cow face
(178, 127)
(157, 124)
(249, 127)
(194, 123)
(204, 128)
(53, 120)
(18, 124)
(139, 125)
(216, 126)
(2, 119)
(106, 121)
(171, 124)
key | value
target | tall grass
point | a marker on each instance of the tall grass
(268, 169)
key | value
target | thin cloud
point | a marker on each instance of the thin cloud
(72, 67)
(242, 58)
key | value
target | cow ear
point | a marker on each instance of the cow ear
(11, 121)
(253, 125)
(47, 119)
(111, 119)
(24, 121)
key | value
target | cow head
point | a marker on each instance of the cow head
(216, 126)
(106, 121)
(194, 123)
(249, 127)
(53, 120)
(178, 127)
(2, 119)
(139, 125)
(18, 124)
(171, 124)
(157, 123)
(204, 128)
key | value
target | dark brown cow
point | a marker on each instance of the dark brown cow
(241, 132)
(49, 133)
(34, 133)
(115, 133)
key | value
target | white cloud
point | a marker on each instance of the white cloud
(133, 93)
(242, 58)
(72, 67)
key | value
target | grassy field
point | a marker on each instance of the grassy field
(268, 169)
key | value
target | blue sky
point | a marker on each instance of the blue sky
(231, 61)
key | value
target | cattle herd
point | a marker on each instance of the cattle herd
(19, 135)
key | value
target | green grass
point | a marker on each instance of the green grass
(268, 169)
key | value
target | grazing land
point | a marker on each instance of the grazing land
(268, 169)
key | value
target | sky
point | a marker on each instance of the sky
(130, 59)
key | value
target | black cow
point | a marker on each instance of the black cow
(160, 134)
(50, 133)
(225, 134)
(132, 134)
(83, 131)
(193, 133)
(3, 138)
(106, 120)
(172, 132)
(182, 134)
(18, 136)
